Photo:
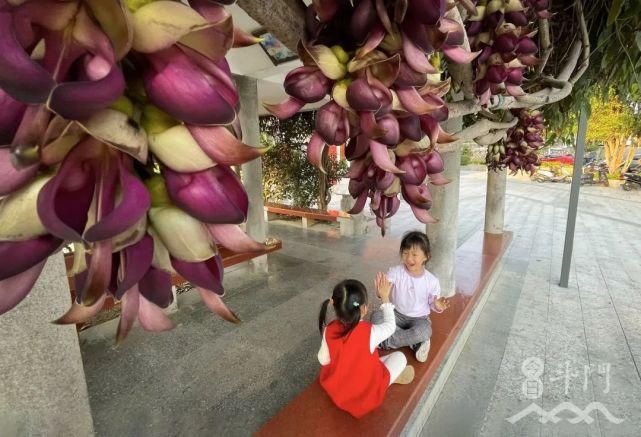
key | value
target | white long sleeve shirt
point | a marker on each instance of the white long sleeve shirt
(414, 296)
(379, 333)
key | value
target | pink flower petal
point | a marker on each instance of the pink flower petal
(215, 303)
(422, 215)
(382, 158)
(360, 203)
(285, 109)
(128, 313)
(233, 238)
(315, 151)
(152, 317)
(79, 313)
(459, 54)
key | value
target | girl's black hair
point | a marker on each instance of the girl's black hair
(415, 239)
(348, 296)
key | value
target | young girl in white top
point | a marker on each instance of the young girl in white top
(416, 292)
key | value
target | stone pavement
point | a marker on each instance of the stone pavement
(580, 345)
(209, 377)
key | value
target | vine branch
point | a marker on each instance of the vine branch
(483, 131)
(561, 86)
(544, 41)
(585, 40)
(462, 75)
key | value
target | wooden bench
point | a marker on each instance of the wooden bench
(312, 413)
(229, 259)
(349, 225)
(309, 215)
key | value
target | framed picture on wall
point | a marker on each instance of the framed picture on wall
(275, 50)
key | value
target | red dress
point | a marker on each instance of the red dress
(355, 378)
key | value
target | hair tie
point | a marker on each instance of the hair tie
(356, 304)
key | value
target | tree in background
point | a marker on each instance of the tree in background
(610, 115)
(613, 123)
(613, 69)
(618, 154)
(287, 174)
(610, 118)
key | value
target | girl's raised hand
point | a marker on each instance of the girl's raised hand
(383, 287)
(441, 304)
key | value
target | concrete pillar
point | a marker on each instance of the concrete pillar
(173, 307)
(356, 224)
(308, 223)
(252, 172)
(443, 235)
(43, 389)
(495, 201)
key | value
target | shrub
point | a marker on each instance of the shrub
(466, 155)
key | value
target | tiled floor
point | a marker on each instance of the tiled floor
(586, 338)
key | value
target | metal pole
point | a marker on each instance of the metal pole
(574, 200)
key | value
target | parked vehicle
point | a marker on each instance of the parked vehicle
(636, 163)
(595, 174)
(589, 157)
(632, 180)
(549, 176)
(565, 159)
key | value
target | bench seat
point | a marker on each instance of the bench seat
(312, 413)
(311, 213)
(229, 259)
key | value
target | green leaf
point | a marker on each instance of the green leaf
(615, 10)
(637, 38)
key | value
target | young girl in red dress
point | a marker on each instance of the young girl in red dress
(352, 373)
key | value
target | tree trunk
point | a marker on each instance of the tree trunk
(323, 183)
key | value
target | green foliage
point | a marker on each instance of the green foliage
(609, 116)
(287, 175)
(615, 10)
(614, 29)
(466, 155)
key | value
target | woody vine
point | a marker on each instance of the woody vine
(119, 128)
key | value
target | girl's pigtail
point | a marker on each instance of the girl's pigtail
(322, 316)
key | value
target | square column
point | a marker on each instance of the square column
(252, 172)
(445, 198)
(43, 390)
(495, 201)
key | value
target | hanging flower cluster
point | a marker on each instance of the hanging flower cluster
(378, 61)
(519, 150)
(118, 127)
(502, 31)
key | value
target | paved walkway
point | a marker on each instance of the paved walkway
(583, 342)
(208, 377)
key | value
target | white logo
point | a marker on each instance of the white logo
(532, 388)
(551, 416)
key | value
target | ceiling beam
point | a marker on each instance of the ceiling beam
(285, 19)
